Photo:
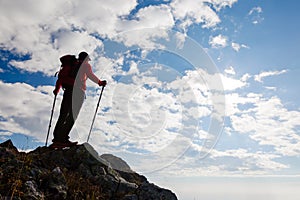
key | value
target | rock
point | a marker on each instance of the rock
(116, 163)
(84, 171)
(133, 177)
(72, 173)
(150, 191)
(98, 170)
(130, 197)
(8, 150)
(9, 145)
(108, 183)
(125, 187)
(57, 184)
(32, 191)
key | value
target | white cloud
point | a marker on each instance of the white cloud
(230, 70)
(271, 129)
(150, 23)
(255, 10)
(231, 162)
(139, 116)
(245, 77)
(255, 15)
(194, 11)
(218, 41)
(250, 161)
(46, 30)
(268, 122)
(219, 4)
(145, 38)
(231, 84)
(147, 110)
(188, 12)
(180, 39)
(47, 60)
(233, 100)
(271, 88)
(237, 46)
(5, 133)
(27, 115)
(150, 17)
(99, 16)
(262, 75)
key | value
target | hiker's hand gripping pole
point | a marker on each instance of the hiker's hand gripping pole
(95, 113)
(51, 119)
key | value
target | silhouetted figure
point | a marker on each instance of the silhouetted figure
(73, 81)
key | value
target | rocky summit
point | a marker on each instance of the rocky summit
(72, 173)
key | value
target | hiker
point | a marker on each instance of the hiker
(73, 97)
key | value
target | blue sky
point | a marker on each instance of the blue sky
(202, 95)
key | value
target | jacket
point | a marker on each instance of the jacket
(84, 72)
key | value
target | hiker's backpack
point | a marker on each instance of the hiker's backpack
(68, 70)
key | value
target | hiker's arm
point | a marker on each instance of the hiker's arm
(57, 87)
(90, 74)
(93, 77)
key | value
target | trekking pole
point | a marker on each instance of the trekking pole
(95, 114)
(50, 120)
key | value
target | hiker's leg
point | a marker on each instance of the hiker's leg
(77, 101)
(78, 98)
(68, 126)
(65, 112)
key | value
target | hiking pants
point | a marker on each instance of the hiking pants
(69, 110)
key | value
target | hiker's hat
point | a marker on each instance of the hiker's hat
(83, 55)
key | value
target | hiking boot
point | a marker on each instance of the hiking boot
(57, 145)
(61, 145)
(69, 143)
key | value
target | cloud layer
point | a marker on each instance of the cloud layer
(154, 109)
